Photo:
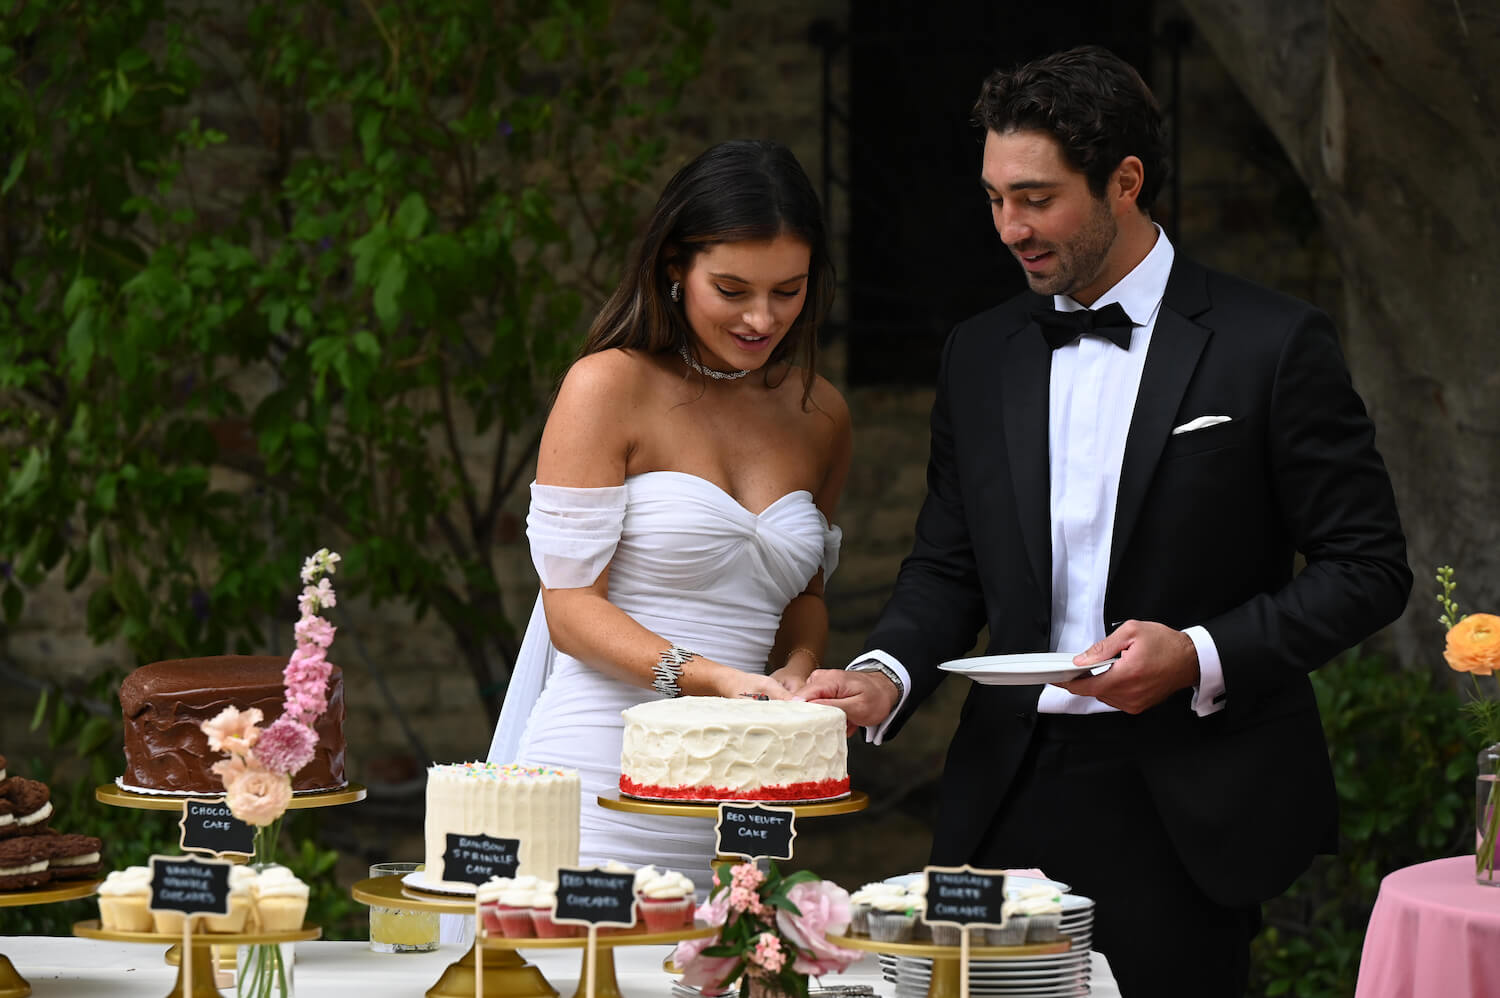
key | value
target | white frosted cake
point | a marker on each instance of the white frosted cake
(536, 804)
(716, 748)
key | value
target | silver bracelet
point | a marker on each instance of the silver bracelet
(875, 665)
(669, 669)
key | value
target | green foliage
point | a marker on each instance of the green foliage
(302, 276)
(83, 741)
(1405, 772)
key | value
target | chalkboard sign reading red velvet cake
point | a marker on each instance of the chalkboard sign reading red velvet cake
(716, 749)
(165, 703)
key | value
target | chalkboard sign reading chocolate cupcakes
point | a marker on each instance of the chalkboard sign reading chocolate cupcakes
(473, 859)
(189, 885)
(208, 826)
(755, 831)
(594, 897)
(964, 896)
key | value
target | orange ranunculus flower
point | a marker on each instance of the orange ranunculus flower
(1474, 644)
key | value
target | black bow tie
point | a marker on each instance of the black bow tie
(1062, 328)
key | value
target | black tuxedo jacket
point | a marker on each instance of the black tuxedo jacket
(1206, 530)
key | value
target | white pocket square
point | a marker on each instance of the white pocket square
(1200, 423)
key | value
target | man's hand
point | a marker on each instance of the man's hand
(866, 698)
(1155, 662)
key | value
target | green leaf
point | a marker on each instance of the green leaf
(411, 217)
(40, 714)
(31, 470)
(388, 288)
(17, 164)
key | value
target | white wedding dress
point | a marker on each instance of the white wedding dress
(687, 562)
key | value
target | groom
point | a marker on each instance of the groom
(1134, 482)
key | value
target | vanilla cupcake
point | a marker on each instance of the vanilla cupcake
(123, 900)
(859, 904)
(280, 900)
(1032, 915)
(242, 880)
(893, 917)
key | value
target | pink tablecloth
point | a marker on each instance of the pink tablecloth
(1434, 933)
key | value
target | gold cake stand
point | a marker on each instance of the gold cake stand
(12, 984)
(108, 793)
(202, 984)
(947, 980)
(114, 796)
(855, 800)
(506, 974)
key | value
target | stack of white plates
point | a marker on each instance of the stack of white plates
(1045, 975)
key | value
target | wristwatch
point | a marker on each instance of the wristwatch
(875, 665)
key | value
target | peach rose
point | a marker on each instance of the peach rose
(1474, 644)
(233, 730)
(259, 796)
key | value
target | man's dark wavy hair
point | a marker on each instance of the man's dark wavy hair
(1093, 103)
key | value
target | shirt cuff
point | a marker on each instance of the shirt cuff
(875, 733)
(1209, 696)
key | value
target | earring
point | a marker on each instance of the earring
(675, 291)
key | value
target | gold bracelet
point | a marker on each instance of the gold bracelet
(806, 651)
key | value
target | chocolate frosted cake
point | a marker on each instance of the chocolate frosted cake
(165, 702)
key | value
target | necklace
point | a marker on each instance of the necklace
(708, 372)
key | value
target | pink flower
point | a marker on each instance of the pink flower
(768, 954)
(745, 899)
(699, 971)
(259, 796)
(715, 910)
(233, 730)
(314, 630)
(748, 876)
(315, 598)
(823, 909)
(229, 770)
(286, 746)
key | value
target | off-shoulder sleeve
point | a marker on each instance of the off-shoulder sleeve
(833, 537)
(573, 532)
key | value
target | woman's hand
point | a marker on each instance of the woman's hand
(753, 687)
(789, 678)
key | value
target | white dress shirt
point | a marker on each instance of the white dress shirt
(1091, 393)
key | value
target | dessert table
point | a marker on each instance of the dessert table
(86, 968)
(1433, 931)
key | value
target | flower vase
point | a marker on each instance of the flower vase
(264, 970)
(1487, 816)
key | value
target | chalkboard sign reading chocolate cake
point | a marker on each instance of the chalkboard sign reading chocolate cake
(165, 703)
(718, 749)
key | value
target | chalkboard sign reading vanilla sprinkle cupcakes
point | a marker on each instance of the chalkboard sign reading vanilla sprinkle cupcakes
(189, 885)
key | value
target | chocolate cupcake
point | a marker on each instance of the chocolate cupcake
(23, 863)
(32, 801)
(7, 818)
(2, 769)
(73, 856)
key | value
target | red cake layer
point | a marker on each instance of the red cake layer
(786, 792)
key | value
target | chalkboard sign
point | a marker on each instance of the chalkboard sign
(964, 896)
(755, 831)
(593, 897)
(208, 826)
(473, 859)
(190, 885)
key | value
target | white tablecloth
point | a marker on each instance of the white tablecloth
(88, 968)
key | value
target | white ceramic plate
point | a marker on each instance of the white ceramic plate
(1013, 885)
(417, 881)
(1023, 670)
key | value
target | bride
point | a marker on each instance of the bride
(686, 480)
